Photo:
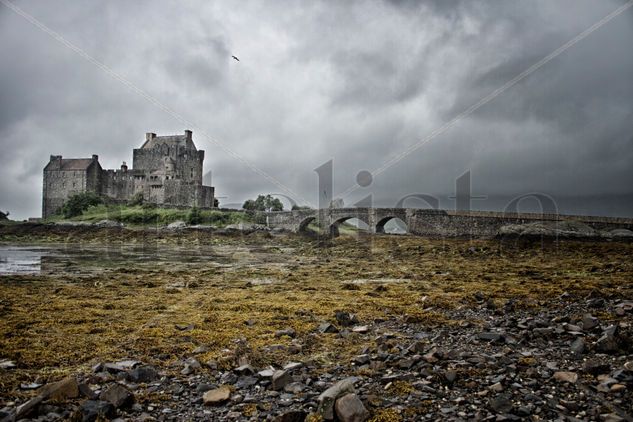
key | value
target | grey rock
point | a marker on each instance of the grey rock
(327, 328)
(118, 395)
(143, 374)
(280, 379)
(501, 403)
(327, 398)
(349, 408)
(92, 410)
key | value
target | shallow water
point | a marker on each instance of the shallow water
(76, 258)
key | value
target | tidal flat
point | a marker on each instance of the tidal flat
(428, 328)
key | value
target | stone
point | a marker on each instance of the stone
(596, 368)
(280, 379)
(7, 364)
(245, 370)
(496, 387)
(566, 376)
(327, 398)
(61, 390)
(589, 322)
(501, 403)
(346, 319)
(578, 347)
(118, 395)
(291, 416)
(26, 408)
(143, 374)
(360, 329)
(217, 396)
(490, 336)
(177, 225)
(290, 332)
(327, 328)
(349, 408)
(92, 410)
(200, 350)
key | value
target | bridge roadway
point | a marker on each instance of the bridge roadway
(428, 222)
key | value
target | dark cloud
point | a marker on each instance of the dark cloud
(356, 82)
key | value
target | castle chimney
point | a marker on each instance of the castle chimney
(56, 157)
(124, 166)
(188, 134)
(95, 157)
(149, 136)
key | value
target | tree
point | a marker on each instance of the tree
(216, 202)
(263, 203)
(137, 199)
(80, 202)
(4, 216)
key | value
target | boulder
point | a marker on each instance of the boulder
(118, 395)
(349, 408)
(280, 379)
(217, 396)
(61, 390)
(327, 398)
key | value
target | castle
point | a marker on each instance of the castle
(166, 170)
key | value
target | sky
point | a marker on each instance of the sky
(355, 82)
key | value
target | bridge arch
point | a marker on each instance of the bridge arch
(380, 225)
(303, 225)
(334, 227)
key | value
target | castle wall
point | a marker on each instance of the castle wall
(167, 170)
(60, 184)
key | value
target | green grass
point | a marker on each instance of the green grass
(139, 215)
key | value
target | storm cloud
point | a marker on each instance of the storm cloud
(356, 82)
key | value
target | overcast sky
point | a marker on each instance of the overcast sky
(355, 81)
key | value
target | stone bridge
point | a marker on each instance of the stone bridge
(427, 222)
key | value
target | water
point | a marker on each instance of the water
(86, 259)
(76, 258)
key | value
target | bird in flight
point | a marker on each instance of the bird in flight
(236, 58)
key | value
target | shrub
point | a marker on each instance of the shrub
(79, 203)
(194, 216)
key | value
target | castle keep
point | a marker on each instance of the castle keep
(166, 170)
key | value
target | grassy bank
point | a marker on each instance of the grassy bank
(142, 215)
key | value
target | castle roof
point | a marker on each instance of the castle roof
(171, 140)
(76, 163)
(69, 163)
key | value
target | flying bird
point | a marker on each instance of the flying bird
(236, 58)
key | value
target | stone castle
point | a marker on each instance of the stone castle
(166, 170)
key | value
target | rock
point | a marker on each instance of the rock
(327, 398)
(291, 366)
(61, 390)
(501, 403)
(108, 223)
(266, 373)
(346, 319)
(143, 374)
(489, 336)
(92, 410)
(200, 350)
(177, 225)
(596, 368)
(118, 395)
(360, 329)
(362, 359)
(217, 396)
(496, 387)
(245, 370)
(280, 379)
(565, 376)
(450, 376)
(7, 364)
(578, 347)
(26, 408)
(327, 328)
(589, 322)
(291, 416)
(290, 332)
(349, 408)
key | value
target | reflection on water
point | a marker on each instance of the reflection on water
(20, 260)
(77, 258)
